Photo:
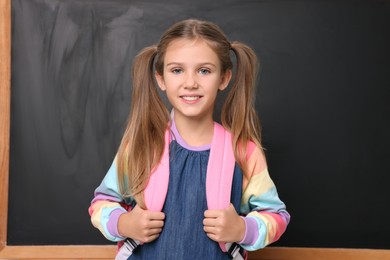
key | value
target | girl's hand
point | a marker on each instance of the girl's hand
(142, 225)
(224, 225)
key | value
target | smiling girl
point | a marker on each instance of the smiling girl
(161, 198)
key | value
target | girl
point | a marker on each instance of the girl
(172, 159)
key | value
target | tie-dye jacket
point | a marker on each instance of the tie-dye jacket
(265, 214)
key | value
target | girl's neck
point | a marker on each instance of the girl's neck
(194, 132)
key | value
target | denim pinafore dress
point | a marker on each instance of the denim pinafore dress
(183, 236)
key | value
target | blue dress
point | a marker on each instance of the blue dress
(183, 236)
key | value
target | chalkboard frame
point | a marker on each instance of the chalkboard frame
(104, 252)
(5, 79)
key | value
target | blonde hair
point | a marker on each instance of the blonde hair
(143, 142)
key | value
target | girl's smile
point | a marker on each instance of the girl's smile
(190, 99)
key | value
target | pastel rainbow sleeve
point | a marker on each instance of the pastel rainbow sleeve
(108, 205)
(265, 212)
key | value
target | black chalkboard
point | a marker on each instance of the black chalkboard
(323, 99)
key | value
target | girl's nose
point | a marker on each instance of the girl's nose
(190, 81)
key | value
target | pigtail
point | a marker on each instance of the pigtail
(238, 112)
(143, 142)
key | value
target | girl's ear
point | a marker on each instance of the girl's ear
(160, 81)
(225, 79)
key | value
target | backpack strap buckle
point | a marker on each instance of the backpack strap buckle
(235, 251)
(127, 249)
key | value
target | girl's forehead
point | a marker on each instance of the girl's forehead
(191, 48)
(186, 43)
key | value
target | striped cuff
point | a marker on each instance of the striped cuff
(112, 224)
(251, 232)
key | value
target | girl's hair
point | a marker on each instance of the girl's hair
(143, 142)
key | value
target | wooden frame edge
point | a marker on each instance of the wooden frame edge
(59, 252)
(5, 111)
(303, 253)
(269, 253)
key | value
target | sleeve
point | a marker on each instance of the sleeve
(107, 206)
(266, 215)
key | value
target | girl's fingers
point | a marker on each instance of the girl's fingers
(210, 230)
(151, 234)
(156, 224)
(212, 213)
(214, 237)
(152, 215)
(154, 231)
(209, 222)
(151, 238)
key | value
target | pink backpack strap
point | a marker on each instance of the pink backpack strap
(220, 171)
(157, 188)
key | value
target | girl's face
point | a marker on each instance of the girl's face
(191, 78)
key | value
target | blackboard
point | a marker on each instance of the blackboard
(323, 99)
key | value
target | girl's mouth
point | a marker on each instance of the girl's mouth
(190, 98)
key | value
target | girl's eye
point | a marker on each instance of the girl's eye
(176, 71)
(204, 71)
